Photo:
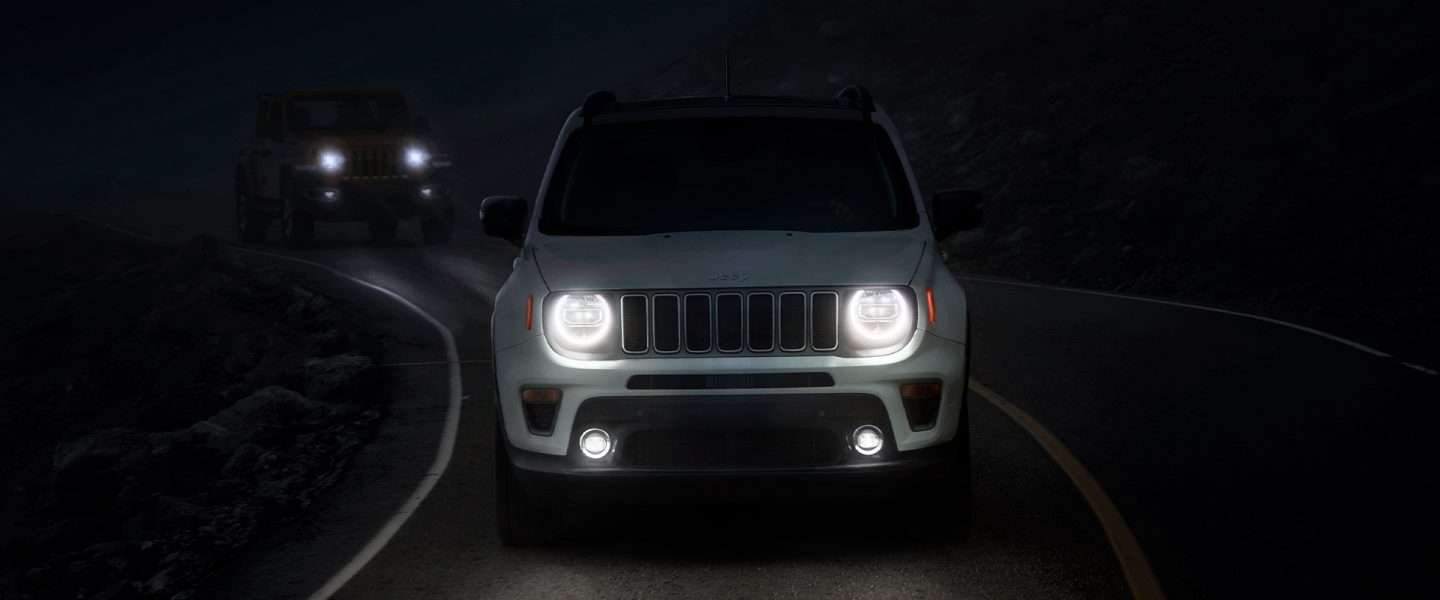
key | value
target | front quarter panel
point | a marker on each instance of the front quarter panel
(951, 305)
(525, 286)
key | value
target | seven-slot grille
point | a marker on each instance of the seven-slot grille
(729, 322)
(374, 162)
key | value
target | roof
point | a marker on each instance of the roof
(851, 98)
(344, 92)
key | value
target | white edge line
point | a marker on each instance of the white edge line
(1334, 338)
(1421, 368)
(447, 436)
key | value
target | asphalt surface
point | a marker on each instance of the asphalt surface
(1248, 459)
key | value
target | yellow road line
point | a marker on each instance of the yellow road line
(1138, 575)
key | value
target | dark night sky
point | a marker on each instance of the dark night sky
(116, 99)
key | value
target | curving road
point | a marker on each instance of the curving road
(1247, 458)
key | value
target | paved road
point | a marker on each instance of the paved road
(1247, 458)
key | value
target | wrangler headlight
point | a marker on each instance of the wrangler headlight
(331, 161)
(879, 318)
(579, 322)
(416, 158)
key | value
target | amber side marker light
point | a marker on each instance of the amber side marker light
(541, 406)
(530, 311)
(930, 300)
(922, 404)
(920, 391)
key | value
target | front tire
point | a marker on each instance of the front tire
(296, 224)
(519, 520)
(437, 229)
(944, 511)
(251, 224)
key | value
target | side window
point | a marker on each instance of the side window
(261, 108)
(267, 120)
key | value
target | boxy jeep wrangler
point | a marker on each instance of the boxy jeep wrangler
(341, 156)
(729, 299)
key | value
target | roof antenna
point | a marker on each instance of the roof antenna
(727, 75)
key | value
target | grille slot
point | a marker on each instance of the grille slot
(729, 323)
(732, 448)
(824, 319)
(634, 321)
(667, 323)
(762, 322)
(697, 322)
(792, 321)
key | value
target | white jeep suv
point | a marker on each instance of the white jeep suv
(720, 292)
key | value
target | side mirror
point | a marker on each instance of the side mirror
(504, 217)
(955, 210)
(422, 125)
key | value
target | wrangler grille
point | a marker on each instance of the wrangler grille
(374, 162)
(729, 322)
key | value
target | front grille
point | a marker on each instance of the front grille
(373, 162)
(731, 448)
(729, 321)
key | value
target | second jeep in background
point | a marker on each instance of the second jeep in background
(347, 156)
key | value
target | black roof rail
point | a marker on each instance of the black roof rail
(858, 96)
(593, 101)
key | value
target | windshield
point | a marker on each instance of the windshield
(349, 113)
(815, 175)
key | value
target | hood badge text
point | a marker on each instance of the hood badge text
(728, 276)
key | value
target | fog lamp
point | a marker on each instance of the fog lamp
(868, 439)
(595, 443)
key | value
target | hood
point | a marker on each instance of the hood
(728, 259)
(356, 138)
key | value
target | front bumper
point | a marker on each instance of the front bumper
(533, 364)
(333, 199)
(889, 475)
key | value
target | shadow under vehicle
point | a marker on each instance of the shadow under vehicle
(341, 156)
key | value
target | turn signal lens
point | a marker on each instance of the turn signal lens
(920, 391)
(540, 395)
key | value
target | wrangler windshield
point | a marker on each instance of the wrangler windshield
(385, 112)
(815, 175)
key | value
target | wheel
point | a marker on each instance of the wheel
(519, 519)
(382, 229)
(943, 514)
(954, 517)
(437, 229)
(296, 224)
(252, 224)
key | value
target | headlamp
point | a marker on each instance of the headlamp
(331, 161)
(878, 318)
(579, 322)
(416, 158)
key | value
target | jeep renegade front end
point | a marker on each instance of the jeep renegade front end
(729, 298)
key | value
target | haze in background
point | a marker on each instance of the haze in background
(108, 102)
